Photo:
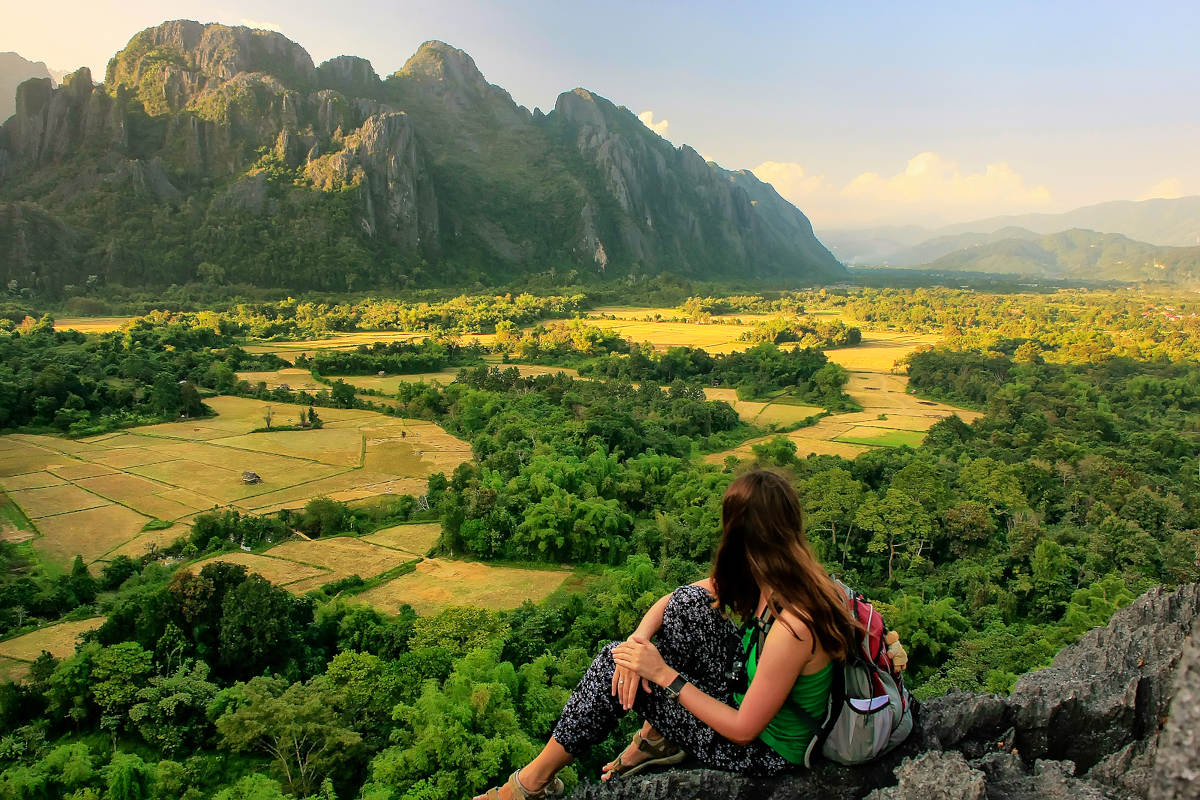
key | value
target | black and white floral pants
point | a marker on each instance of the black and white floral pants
(700, 644)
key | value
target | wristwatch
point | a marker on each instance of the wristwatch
(675, 687)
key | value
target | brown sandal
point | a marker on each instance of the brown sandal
(662, 753)
(553, 788)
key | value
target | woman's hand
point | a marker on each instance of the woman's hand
(639, 656)
(625, 686)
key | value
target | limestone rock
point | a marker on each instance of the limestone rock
(1177, 765)
(441, 168)
(349, 75)
(935, 776)
(382, 159)
(1109, 688)
(674, 207)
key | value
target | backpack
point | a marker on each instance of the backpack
(869, 711)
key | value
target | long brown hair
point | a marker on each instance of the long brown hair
(764, 549)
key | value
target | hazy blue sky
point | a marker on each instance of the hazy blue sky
(866, 112)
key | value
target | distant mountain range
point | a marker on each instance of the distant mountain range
(15, 70)
(1146, 232)
(1075, 254)
(224, 155)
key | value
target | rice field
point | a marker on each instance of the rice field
(713, 338)
(91, 324)
(438, 583)
(390, 384)
(890, 418)
(414, 538)
(294, 379)
(879, 351)
(58, 640)
(13, 670)
(339, 557)
(762, 413)
(93, 497)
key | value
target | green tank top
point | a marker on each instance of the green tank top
(788, 733)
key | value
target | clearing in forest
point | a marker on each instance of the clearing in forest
(292, 378)
(413, 538)
(763, 412)
(880, 351)
(91, 324)
(438, 583)
(94, 496)
(57, 639)
(390, 384)
(890, 418)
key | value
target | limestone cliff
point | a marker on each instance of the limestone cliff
(227, 146)
(1113, 718)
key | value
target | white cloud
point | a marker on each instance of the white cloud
(257, 23)
(932, 183)
(1168, 188)
(789, 179)
(660, 127)
(931, 189)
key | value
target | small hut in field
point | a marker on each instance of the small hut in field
(251, 477)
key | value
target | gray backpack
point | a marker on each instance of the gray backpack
(869, 711)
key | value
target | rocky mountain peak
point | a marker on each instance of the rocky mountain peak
(581, 108)
(439, 62)
(169, 63)
(350, 75)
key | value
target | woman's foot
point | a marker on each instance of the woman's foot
(643, 751)
(521, 787)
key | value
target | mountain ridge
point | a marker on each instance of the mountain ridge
(1164, 222)
(227, 148)
(14, 70)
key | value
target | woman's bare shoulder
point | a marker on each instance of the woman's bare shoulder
(707, 585)
(795, 624)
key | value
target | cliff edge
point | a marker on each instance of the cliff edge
(1113, 718)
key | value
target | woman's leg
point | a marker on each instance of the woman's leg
(701, 645)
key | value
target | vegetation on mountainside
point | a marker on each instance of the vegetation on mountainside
(219, 156)
(1078, 254)
(988, 547)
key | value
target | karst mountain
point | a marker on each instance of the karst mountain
(223, 155)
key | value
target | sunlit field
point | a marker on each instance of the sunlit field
(437, 583)
(94, 496)
(890, 418)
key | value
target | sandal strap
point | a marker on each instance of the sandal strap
(553, 788)
(656, 748)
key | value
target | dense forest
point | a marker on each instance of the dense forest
(989, 547)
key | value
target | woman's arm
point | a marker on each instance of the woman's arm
(625, 682)
(783, 657)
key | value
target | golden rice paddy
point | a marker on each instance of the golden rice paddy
(414, 538)
(58, 640)
(91, 324)
(890, 418)
(93, 497)
(438, 583)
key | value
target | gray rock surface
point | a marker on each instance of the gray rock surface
(1088, 727)
(1177, 766)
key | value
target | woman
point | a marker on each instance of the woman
(763, 571)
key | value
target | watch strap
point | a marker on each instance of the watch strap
(675, 687)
